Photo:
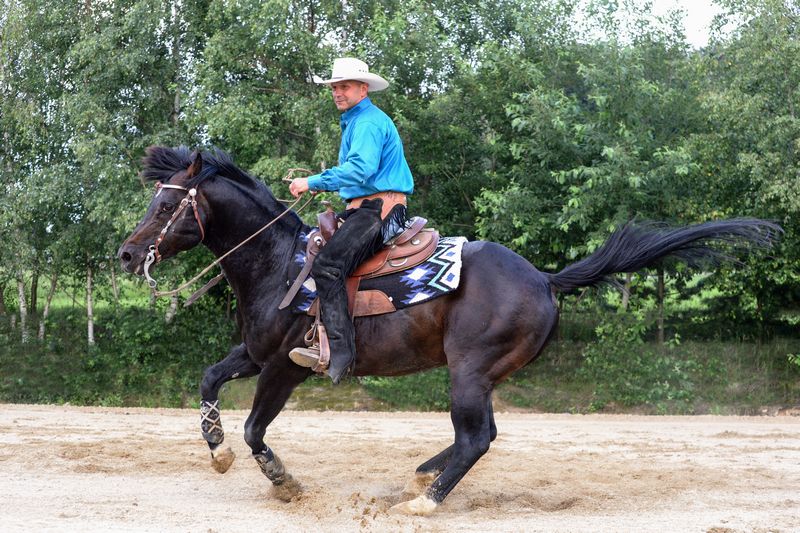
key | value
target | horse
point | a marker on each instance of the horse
(498, 320)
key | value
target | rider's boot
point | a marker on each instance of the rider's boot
(341, 336)
(305, 356)
(338, 340)
(316, 356)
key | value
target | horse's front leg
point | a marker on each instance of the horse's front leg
(275, 385)
(236, 365)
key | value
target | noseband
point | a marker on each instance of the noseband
(154, 256)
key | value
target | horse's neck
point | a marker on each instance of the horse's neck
(259, 267)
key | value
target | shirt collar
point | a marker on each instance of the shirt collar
(351, 113)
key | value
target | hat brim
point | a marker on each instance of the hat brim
(375, 82)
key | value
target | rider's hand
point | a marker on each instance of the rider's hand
(298, 186)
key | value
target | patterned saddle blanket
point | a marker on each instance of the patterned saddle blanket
(434, 277)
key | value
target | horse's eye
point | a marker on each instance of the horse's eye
(167, 207)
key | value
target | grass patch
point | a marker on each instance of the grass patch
(316, 394)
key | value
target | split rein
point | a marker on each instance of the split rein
(154, 257)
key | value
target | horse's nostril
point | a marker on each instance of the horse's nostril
(125, 256)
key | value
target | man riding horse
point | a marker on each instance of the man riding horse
(373, 178)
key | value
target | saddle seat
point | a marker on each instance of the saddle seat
(408, 249)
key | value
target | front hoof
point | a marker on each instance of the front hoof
(419, 506)
(287, 490)
(221, 460)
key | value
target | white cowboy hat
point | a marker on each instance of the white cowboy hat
(349, 68)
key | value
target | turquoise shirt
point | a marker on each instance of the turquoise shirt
(371, 156)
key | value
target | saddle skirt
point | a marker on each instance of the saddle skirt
(400, 275)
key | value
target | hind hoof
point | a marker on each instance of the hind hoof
(417, 485)
(221, 460)
(419, 506)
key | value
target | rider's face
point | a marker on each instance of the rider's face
(348, 93)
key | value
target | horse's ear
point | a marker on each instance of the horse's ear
(197, 164)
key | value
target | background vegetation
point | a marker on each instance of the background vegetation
(538, 124)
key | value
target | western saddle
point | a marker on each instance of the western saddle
(408, 249)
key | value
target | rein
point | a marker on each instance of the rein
(153, 256)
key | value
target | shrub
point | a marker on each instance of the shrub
(627, 370)
(138, 359)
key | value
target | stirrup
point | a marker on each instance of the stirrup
(317, 354)
(305, 357)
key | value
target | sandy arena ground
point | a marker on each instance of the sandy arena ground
(99, 469)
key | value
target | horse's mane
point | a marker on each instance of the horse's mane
(160, 163)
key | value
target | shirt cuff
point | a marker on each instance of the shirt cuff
(315, 182)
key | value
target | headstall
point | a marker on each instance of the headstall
(153, 255)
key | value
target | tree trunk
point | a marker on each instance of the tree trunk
(34, 291)
(46, 310)
(172, 310)
(23, 307)
(626, 294)
(3, 309)
(760, 318)
(89, 307)
(318, 131)
(660, 318)
(114, 286)
(312, 23)
(176, 37)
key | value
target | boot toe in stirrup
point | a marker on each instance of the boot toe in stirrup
(305, 357)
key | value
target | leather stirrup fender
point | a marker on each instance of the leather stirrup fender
(328, 222)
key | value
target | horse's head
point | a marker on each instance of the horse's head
(177, 215)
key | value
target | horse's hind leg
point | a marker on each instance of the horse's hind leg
(437, 464)
(428, 471)
(471, 414)
(236, 365)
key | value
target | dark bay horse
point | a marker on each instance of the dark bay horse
(498, 320)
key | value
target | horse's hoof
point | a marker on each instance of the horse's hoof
(419, 506)
(288, 490)
(221, 460)
(418, 485)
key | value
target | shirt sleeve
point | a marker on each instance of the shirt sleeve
(360, 163)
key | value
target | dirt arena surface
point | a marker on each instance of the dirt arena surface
(100, 469)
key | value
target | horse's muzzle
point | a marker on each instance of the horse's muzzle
(130, 261)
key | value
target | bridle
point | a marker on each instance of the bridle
(153, 255)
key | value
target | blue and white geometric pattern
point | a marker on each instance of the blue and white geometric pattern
(438, 275)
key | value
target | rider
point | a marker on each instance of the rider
(373, 178)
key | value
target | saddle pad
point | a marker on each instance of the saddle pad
(437, 275)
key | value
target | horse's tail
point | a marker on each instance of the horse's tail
(636, 246)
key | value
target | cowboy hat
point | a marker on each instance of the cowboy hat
(349, 68)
